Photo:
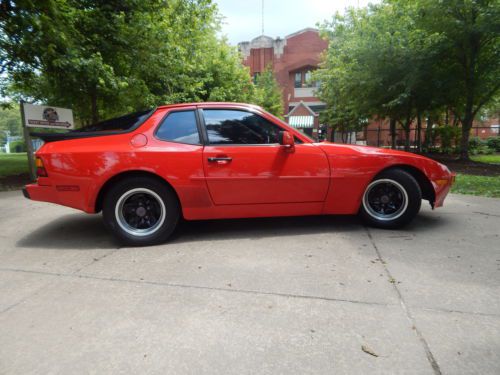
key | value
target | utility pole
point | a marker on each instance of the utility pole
(262, 17)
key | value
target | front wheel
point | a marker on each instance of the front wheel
(392, 200)
(141, 211)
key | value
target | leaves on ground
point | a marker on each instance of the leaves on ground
(368, 350)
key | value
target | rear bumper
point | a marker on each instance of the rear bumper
(26, 194)
(40, 193)
(65, 195)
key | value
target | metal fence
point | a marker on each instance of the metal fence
(382, 137)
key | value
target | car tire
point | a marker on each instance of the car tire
(391, 200)
(141, 211)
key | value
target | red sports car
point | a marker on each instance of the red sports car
(224, 160)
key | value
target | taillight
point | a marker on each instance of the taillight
(40, 169)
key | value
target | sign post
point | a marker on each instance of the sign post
(29, 145)
(42, 116)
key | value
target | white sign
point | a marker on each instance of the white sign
(45, 116)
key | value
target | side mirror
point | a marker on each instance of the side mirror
(286, 140)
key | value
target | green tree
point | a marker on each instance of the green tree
(378, 65)
(108, 58)
(470, 45)
(10, 123)
(268, 94)
(405, 59)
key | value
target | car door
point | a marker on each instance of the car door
(245, 164)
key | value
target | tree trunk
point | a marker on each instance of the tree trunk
(407, 137)
(407, 127)
(464, 144)
(419, 131)
(428, 133)
(466, 127)
(94, 109)
(393, 133)
(378, 135)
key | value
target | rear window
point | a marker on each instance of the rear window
(121, 123)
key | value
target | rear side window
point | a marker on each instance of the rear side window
(122, 123)
(179, 127)
(225, 126)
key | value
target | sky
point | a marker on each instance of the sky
(243, 18)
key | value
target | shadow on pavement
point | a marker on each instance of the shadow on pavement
(83, 231)
(428, 221)
(189, 231)
(75, 231)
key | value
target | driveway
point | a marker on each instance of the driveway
(311, 295)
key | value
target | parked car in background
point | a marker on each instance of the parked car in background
(146, 170)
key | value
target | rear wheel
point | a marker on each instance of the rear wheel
(141, 211)
(392, 200)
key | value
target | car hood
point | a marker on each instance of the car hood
(396, 156)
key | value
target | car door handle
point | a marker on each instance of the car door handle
(220, 159)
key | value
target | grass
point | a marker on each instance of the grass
(13, 164)
(485, 186)
(491, 159)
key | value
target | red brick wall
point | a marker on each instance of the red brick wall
(259, 59)
(302, 50)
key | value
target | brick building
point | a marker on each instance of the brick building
(292, 60)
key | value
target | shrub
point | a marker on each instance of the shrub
(475, 143)
(448, 135)
(494, 143)
(488, 151)
(17, 146)
(482, 150)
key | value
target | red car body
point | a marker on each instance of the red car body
(261, 180)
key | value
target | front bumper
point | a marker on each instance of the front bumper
(442, 188)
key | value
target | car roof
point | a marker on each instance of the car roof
(211, 104)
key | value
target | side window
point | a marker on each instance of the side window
(179, 127)
(226, 126)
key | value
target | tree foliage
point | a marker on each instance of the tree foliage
(10, 123)
(104, 58)
(268, 94)
(404, 59)
(470, 31)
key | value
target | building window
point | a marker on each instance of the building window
(304, 79)
(298, 79)
(307, 78)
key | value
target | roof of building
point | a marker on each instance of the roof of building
(307, 29)
(303, 104)
(269, 40)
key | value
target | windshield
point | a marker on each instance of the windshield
(121, 123)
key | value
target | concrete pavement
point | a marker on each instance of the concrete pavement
(285, 295)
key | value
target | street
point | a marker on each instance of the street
(307, 295)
